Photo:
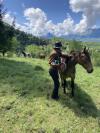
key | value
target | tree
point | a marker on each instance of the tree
(34, 50)
(6, 32)
(6, 36)
(14, 44)
(2, 28)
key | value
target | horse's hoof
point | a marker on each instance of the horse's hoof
(55, 97)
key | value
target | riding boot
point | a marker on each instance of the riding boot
(55, 95)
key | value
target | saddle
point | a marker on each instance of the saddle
(64, 63)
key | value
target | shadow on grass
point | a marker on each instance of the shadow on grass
(82, 104)
(22, 79)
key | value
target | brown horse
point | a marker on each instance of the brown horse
(82, 58)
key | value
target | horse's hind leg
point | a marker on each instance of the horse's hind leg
(64, 84)
(73, 87)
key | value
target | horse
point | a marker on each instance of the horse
(75, 57)
(26, 54)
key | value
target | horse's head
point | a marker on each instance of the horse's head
(85, 60)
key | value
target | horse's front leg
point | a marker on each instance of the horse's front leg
(63, 83)
(73, 87)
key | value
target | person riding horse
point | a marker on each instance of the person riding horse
(55, 65)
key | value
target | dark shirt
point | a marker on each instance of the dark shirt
(55, 58)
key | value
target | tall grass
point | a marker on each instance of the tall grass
(96, 57)
(26, 105)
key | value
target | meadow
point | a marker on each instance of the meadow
(26, 105)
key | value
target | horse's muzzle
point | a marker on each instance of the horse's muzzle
(90, 71)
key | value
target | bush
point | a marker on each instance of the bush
(33, 50)
(37, 51)
(10, 54)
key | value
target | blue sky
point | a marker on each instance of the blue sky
(57, 11)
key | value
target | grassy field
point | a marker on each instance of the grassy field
(26, 106)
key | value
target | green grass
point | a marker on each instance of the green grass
(94, 45)
(26, 106)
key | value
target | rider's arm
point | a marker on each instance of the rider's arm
(54, 61)
(66, 56)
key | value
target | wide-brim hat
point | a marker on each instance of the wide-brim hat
(57, 45)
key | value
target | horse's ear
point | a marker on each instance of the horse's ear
(84, 49)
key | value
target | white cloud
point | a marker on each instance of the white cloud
(82, 26)
(36, 20)
(8, 18)
(90, 13)
(39, 25)
(1, 1)
(64, 28)
(22, 27)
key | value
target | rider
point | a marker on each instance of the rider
(55, 65)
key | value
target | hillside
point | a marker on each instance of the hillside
(26, 106)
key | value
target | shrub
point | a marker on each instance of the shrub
(10, 54)
(33, 50)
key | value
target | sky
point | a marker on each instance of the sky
(56, 17)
